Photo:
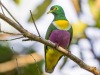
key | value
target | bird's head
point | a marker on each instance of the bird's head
(56, 10)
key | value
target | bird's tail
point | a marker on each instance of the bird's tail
(51, 59)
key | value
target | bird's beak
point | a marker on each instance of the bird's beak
(50, 11)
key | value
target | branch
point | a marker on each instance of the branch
(27, 34)
(8, 12)
(21, 60)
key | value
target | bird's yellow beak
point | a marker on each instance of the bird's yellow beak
(50, 11)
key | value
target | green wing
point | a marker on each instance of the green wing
(71, 35)
(50, 29)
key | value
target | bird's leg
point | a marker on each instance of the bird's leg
(57, 45)
(69, 52)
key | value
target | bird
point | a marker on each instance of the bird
(59, 32)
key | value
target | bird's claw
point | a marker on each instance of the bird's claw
(57, 45)
(69, 52)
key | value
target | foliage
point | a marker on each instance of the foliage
(5, 53)
(78, 29)
(32, 69)
(17, 1)
(40, 10)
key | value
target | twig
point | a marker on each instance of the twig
(13, 39)
(27, 40)
(9, 13)
(92, 50)
(11, 33)
(36, 64)
(27, 34)
(16, 62)
(0, 26)
(16, 26)
(2, 9)
(35, 24)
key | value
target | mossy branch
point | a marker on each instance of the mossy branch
(33, 37)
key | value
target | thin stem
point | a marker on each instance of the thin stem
(0, 26)
(2, 9)
(16, 61)
(23, 60)
(35, 24)
(92, 50)
(36, 64)
(13, 39)
(11, 33)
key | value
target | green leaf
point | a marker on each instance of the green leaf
(5, 54)
(98, 24)
(32, 69)
(17, 1)
(40, 10)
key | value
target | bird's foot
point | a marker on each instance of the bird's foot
(57, 45)
(69, 52)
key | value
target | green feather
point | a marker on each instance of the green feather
(71, 33)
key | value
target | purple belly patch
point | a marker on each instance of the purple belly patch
(61, 37)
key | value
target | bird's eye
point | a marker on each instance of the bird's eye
(55, 8)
